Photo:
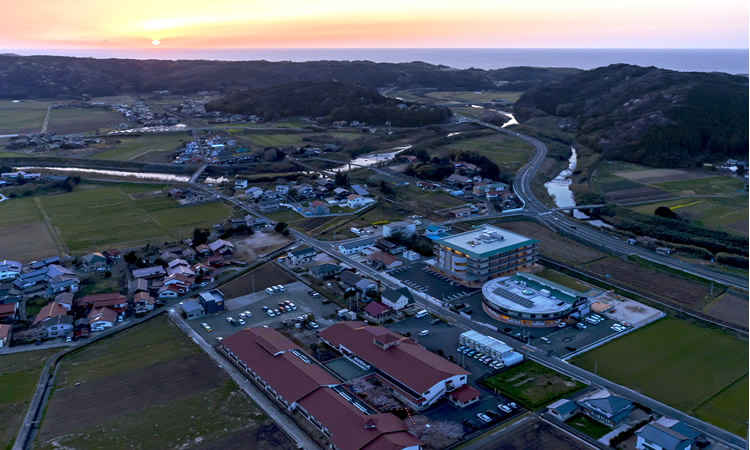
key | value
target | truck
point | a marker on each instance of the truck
(356, 231)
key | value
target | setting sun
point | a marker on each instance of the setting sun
(156, 42)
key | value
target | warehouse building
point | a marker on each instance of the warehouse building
(477, 256)
(528, 300)
(495, 349)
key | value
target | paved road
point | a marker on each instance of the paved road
(301, 438)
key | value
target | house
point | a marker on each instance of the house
(436, 231)
(317, 208)
(62, 283)
(254, 192)
(81, 327)
(93, 262)
(464, 396)
(220, 246)
(426, 186)
(5, 335)
(176, 193)
(143, 302)
(340, 193)
(301, 256)
(360, 190)
(9, 270)
(179, 267)
(378, 311)
(50, 311)
(349, 280)
(351, 248)
(323, 271)
(396, 299)
(101, 318)
(406, 228)
(384, 261)
(355, 201)
(113, 256)
(112, 300)
(282, 189)
(149, 272)
(170, 291)
(562, 409)
(139, 285)
(665, 434)
(605, 407)
(390, 247)
(269, 205)
(459, 181)
(417, 376)
(57, 326)
(8, 312)
(240, 183)
(44, 263)
(459, 212)
(215, 261)
(203, 249)
(212, 301)
(65, 299)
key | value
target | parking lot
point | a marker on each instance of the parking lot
(296, 292)
(419, 276)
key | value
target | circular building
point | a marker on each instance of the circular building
(527, 300)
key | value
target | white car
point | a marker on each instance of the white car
(241, 321)
(248, 314)
(424, 332)
(270, 313)
(484, 417)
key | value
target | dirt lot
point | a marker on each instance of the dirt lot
(553, 245)
(265, 437)
(641, 194)
(27, 242)
(266, 275)
(649, 176)
(730, 307)
(109, 398)
(534, 435)
(659, 286)
(739, 227)
(250, 248)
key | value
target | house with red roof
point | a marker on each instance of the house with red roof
(378, 311)
(421, 377)
(49, 311)
(5, 335)
(112, 300)
(102, 317)
(8, 312)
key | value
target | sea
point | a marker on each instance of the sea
(734, 61)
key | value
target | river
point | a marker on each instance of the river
(156, 176)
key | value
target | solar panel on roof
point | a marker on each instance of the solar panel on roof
(525, 302)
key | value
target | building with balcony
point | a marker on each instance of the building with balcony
(479, 255)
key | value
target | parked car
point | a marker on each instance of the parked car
(248, 314)
(562, 325)
(484, 417)
(206, 327)
(504, 408)
(424, 332)
(242, 315)
(241, 321)
(270, 313)
(469, 424)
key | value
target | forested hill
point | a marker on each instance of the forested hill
(648, 115)
(329, 101)
(26, 77)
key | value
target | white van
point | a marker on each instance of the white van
(424, 332)
(280, 288)
(421, 314)
(269, 291)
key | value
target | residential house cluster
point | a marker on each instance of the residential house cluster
(142, 114)
(191, 197)
(51, 141)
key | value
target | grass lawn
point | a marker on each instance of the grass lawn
(277, 140)
(80, 120)
(19, 373)
(24, 117)
(127, 148)
(683, 365)
(588, 426)
(565, 280)
(705, 186)
(532, 384)
(103, 217)
(500, 148)
(130, 395)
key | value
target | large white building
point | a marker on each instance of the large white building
(491, 347)
(405, 228)
(479, 255)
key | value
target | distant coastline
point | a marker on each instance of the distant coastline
(734, 61)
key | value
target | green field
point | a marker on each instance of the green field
(24, 117)
(102, 217)
(706, 186)
(149, 387)
(81, 120)
(726, 214)
(471, 96)
(19, 210)
(501, 149)
(559, 278)
(127, 148)
(277, 140)
(694, 369)
(19, 373)
(532, 384)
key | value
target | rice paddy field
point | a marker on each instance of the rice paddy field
(82, 120)
(697, 370)
(153, 147)
(26, 116)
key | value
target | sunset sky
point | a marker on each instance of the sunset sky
(183, 24)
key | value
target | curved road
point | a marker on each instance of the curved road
(558, 221)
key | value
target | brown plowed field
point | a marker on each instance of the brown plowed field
(75, 408)
(730, 307)
(552, 245)
(637, 195)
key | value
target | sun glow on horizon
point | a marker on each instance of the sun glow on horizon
(386, 23)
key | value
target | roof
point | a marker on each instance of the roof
(49, 310)
(7, 265)
(64, 298)
(359, 190)
(487, 341)
(8, 309)
(59, 320)
(458, 178)
(303, 251)
(191, 306)
(106, 299)
(353, 197)
(384, 257)
(93, 257)
(563, 406)
(513, 294)
(102, 314)
(408, 362)
(351, 428)
(667, 437)
(464, 394)
(324, 268)
(605, 402)
(269, 354)
(359, 243)
(485, 242)
(4, 331)
(148, 272)
(376, 308)
(392, 295)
